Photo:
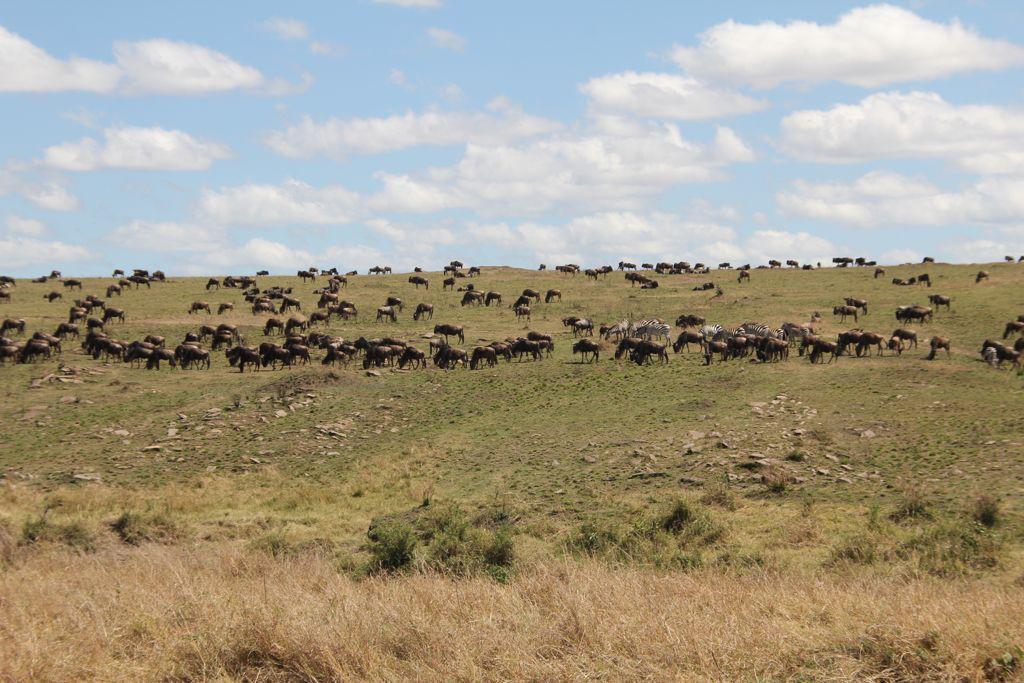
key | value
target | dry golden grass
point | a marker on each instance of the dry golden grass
(217, 612)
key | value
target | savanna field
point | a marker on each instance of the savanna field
(547, 519)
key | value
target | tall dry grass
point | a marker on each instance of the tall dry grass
(205, 612)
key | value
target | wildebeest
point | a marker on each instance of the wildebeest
(451, 331)
(924, 278)
(685, 321)
(448, 357)
(423, 310)
(862, 304)
(199, 306)
(686, 338)
(288, 303)
(223, 308)
(212, 283)
(448, 283)
(53, 296)
(65, 330)
(844, 311)
(879, 272)
(552, 294)
(587, 347)
(273, 325)
(494, 297)
(111, 313)
(982, 275)
(820, 348)
(1013, 327)
(905, 335)
(386, 313)
(418, 280)
(11, 324)
(939, 300)
(908, 313)
(522, 311)
(481, 354)
(869, 339)
(744, 275)
(937, 343)
(472, 297)
(72, 284)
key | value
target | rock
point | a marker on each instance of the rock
(122, 432)
(822, 471)
(694, 434)
(648, 475)
(88, 476)
(69, 399)
(372, 373)
(867, 434)
(280, 413)
(172, 431)
(691, 481)
(154, 447)
(690, 449)
(590, 458)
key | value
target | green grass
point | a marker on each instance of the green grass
(555, 444)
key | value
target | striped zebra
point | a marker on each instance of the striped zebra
(710, 331)
(755, 329)
(618, 330)
(650, 328)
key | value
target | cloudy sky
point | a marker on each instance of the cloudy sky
(204, 137)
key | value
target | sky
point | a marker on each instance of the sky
(214, 138)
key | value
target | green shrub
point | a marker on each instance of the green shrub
(42, 530)
(986, 510)
(134, 528)
(720, 495)
(953, 548)
(392, 545)
(690, 523)
(913, 505)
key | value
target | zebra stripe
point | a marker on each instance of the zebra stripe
(709, 331)
(650, 328)
(756, 329)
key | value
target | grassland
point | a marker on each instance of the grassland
(849, 495)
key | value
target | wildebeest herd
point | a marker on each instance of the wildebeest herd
(292, 336)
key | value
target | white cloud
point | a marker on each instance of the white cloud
(136, 148)
(398, 77)
(338, 138)
(445, 39)
(150, 66)
(27, 227)
(267, 205)
(287, 28)
(979, 138)
(410, 3)
(615, 164)
(326, 48)
(25, 67)
(668, 96)
(882, 199)
(868, 46)
(167, 236)
(42, 190)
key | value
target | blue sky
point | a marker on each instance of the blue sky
(229, 137)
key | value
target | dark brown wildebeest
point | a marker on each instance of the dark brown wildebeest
(924, 278)
(532, 293)
(273, 325)
(774, 264)
(847, 339)
(862, 304)
(869, 339)
(822, 347)
(295, 323)
(770, 349)
(77, 313)
(545, 339)
(937, 343)
(483, 354)
(685, 321)
(138, 280)
(844, 311)
(713, 347)
(686, 338)
(928, 259)
(472, 297)
(288, 303)
(522, 311)
(72, 284)
(521, 347)
(418, 280)
(223, 308)
(451, 331)
(939, 300)
(114, 289)
(587, 347)
(153, 362)
(879, 272)
(995, 354)
(448, 283)
(212, 283)
(272, 355)
(394, 302)
(552, 294)
(412, 357)
(583, 327)
(111, 313)
(908, 313)
(326, 299)
(35, 348)
(744, 275)
(65, 330)
(982, 275)
(306, 275)
(263, 307)
(643, 352)
(5, 296)
(492, 297)
(474, 270)
(53, 296)
(199, 306)
(423, 310)
(793, 264)
(118, 272)
(905, 335)
(1013, 327)
(317, 317)
(155, 340)
(704, 287)
(448, 357)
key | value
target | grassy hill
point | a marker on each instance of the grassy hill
(888, 469)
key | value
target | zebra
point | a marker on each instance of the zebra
(650, 328)
(710, 331)
(618, 330)
(754, 329)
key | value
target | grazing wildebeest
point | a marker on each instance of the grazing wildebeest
(844, 311)
(862, 304)
(295, 323)
(879, 272)
(11, 324)
(905, 335)
(423, 310)
(937, 343)
(65, 330)
(869, 339)
(451, 331)
(72, 284)
(521, 347)
(587, 347)
(263, 307)
(472, 297)
(822, 347)
(273, 325)
(110, 313)
(212, 283)
(288, 303)
(76, 313)
(199, 306)
(35, 348)
(412, 356)
(418, 280)
(744, 275)
(153, 362)
(939, 300)
(306, 275)
(483, 354)
(685, 321)
(317, 317)
(53, 296)
(552, 294)
(522, 311)
(995, 353)
(492, 297)
(908, 313)
(532, 294)
(114, 289)
(448, 357)
(684, 340)
(223, 308)
(448, 283)
(982, 275)
(770, 349)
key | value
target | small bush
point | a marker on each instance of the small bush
(913, 505)
(776, 480)
(592, 538)
(796, 456)
(720, 495)
(953, 548)
(134, 528)
(73, 534)
(690, 523)
(986, 510)
(392, 546)
(7, 544)
(859, 549)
